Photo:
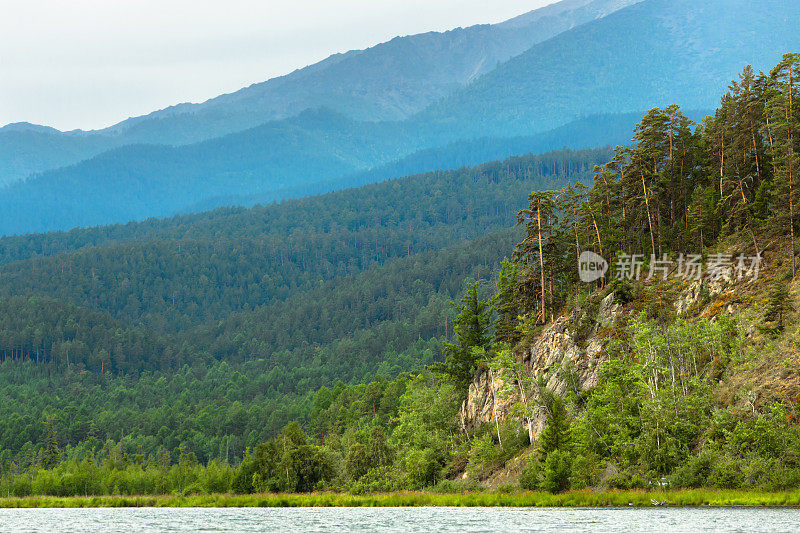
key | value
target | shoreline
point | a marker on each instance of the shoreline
(680, 498)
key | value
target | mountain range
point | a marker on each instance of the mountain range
(429, 99)
(387, 82)
(348, 332)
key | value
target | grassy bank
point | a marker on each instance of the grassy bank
(419, 499)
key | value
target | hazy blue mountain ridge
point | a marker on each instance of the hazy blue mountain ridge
(389, 81)
(594, 131)
(657, 52)
(138, 181)
(608, 66)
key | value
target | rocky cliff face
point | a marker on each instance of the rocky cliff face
(560, 356)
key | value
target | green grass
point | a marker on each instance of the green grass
(423, 499)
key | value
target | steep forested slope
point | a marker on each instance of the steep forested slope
(173, 276)
(679, 379)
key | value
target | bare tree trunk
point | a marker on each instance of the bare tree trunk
(755, 148)
(769, 128)
(494, 407)
(649, 218)
(622, 186)
(671, 173)
(541, 256)
(721, 163)
(789, 119)
(597, 231)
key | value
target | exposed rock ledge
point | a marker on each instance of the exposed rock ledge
(558, 356)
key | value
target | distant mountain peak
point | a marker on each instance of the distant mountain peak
(27, 126)
(601, 8)
(389, 81)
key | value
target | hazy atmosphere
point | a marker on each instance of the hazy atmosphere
(89, 63)
(436, 257)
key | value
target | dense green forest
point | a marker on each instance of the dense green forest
(174, 274)
(362, 286)
(704, 396)
(407, 293)
(473, 200)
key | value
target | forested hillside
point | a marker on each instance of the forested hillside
(234, 259)
(679, 378)
(281, 299)
(124, 384)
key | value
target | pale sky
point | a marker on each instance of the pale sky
(91, 63)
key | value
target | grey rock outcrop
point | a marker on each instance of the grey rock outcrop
(559, 356)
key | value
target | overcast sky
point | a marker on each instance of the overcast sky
(91, 63)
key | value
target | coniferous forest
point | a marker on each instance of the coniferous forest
(334, 342)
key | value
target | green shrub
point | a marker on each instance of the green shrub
(485, 455)
(694, 472)
(358, 461)
(623, 480)
(422, 467)
(378, 479)
(531, 476)
(584, 472)
(557, 471)
(623, 291)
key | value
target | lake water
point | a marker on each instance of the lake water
(419, 519)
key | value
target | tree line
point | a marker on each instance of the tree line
(679, 402)
(680, 187)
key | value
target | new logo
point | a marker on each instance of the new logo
(591, 267)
